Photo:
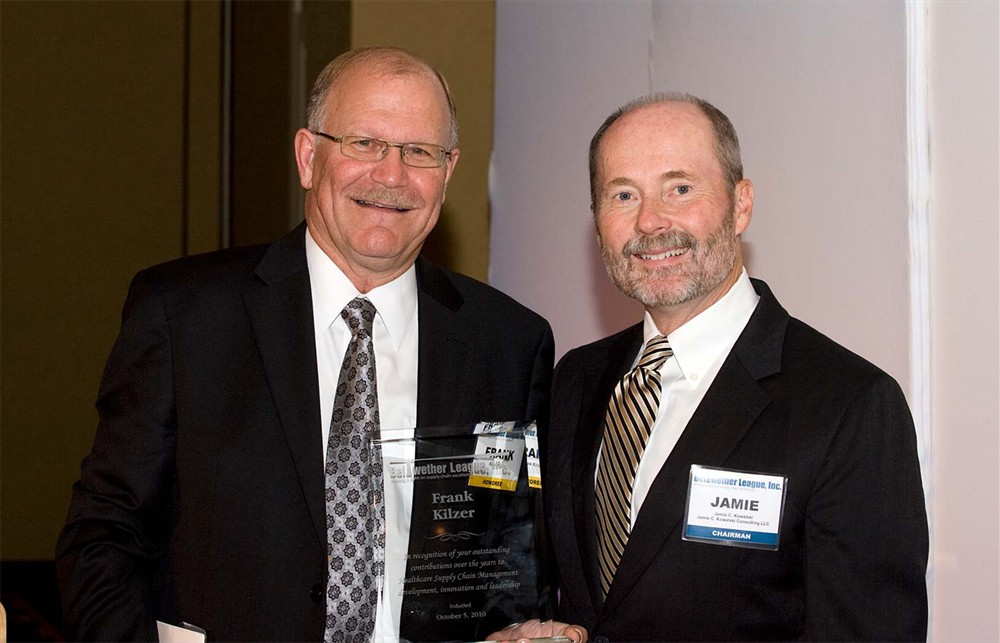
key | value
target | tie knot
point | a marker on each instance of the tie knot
(656, 352)
(359, 314)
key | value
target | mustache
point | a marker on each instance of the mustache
(389, 198)
(645, 243)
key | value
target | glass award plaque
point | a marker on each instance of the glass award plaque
(474, 523)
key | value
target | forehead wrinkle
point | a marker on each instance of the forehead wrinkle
(380, 123)
(372, 112)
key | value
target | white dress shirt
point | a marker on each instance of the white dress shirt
(700, 347)
(394, 333)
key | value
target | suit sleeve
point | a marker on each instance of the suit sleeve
(541, 380)
(119, 515)
(866, 527)
(539, 398)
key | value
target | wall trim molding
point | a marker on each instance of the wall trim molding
(918, 221)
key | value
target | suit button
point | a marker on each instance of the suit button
(316, 593)
(600, 639)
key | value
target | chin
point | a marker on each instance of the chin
(657, 293)
(380, 242)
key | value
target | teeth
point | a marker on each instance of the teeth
(379, 205)
(664, 255)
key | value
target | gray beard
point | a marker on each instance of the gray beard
(711, 261)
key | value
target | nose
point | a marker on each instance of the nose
(652, 217)
(391, 171)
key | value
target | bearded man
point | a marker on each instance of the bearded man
(721, 471)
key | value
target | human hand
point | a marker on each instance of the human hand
(524, 632)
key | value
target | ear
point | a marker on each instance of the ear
(742, 205)
(305, 150)
(450, 162)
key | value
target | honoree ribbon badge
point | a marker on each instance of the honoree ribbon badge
(534, 459)
(497, 461)
(734, 508)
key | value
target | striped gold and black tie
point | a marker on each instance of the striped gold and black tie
(631, 412)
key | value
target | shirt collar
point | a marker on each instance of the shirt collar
(702, 340)
(396, 301)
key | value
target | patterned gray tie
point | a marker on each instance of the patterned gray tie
(355, 507)
(627, 426)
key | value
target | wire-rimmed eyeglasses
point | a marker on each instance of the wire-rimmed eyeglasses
(366, 148)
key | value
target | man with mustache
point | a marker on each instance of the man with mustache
(721, 471)
(222, 490)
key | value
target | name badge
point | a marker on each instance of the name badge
(497, 461)
(531, 453)
(734, 508)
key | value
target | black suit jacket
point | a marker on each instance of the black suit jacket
(788, 401)
(202, 499)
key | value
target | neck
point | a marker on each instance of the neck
(366, 277)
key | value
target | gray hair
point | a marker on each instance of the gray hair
(727, 144)
(391, 61)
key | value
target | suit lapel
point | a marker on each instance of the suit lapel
(445, 348)
(281, 315)
(726, 413)
(598, 384)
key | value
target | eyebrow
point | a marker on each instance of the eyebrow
(674, 174)
(666, 176)
(618, 181)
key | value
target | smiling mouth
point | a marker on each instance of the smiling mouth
(383, 206)
(664, 255)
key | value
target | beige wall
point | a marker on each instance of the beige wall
(112, 160)
(93, 168)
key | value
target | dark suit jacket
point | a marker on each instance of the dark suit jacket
(788, 401)
(202, 499)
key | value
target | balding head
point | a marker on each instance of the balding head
(386, 61)
(727, 144)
